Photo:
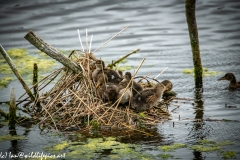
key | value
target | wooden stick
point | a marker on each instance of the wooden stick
(122, 58)
(15, 71)
(52, 52)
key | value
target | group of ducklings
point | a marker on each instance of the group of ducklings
(111, 85)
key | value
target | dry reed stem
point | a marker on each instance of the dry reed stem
(50, 116)
(111, 39)
(87, 106)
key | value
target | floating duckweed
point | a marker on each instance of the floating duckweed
(206, 72)
(206, 141)
(225, 143)
(5, 81)
(204, 148)
(61, 146)
(228, 154)
(9, 137)
(93, 148)
(24, 63)
(17, 52)
(188, 71)
(172, 147)
(125, 68)
(165, 156)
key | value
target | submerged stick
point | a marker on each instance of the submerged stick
(12, 109)
(122, 58)
(15, 71)
(52, 52)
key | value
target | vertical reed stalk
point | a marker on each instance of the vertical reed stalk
(193, 34)
(12, 110)
(35, 80)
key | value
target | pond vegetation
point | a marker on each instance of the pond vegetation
(9, 137)
(206, 72)
(24, 63)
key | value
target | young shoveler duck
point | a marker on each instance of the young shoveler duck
(106, 90)
(234, 84)
(113, 76)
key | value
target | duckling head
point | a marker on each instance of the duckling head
(228, 76)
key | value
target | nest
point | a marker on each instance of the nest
(73, 103)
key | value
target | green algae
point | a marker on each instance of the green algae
(24, 64)
(228, 154)
(125, 68)
(5, 81)
(60, 146)
(166, 156)
(95, 147)
(9, 137)
(205, 72)
(204, 148)
(172, 147)
(225, 143)
(209, 145)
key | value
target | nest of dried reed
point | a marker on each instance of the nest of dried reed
(73, 103)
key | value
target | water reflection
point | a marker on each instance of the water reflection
(198, 123)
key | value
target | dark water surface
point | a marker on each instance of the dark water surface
(159, 29)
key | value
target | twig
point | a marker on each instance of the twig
(161, 73)
(122, 58)
(110, 39)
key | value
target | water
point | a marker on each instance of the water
(159, 29)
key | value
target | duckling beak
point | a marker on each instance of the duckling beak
(98, 85)
(165, 88)
(222, 78)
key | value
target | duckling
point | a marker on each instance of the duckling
(234, 84)
(113, 76)
(107, 90)
(147, 97)
(168, 84)
(122, 87)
